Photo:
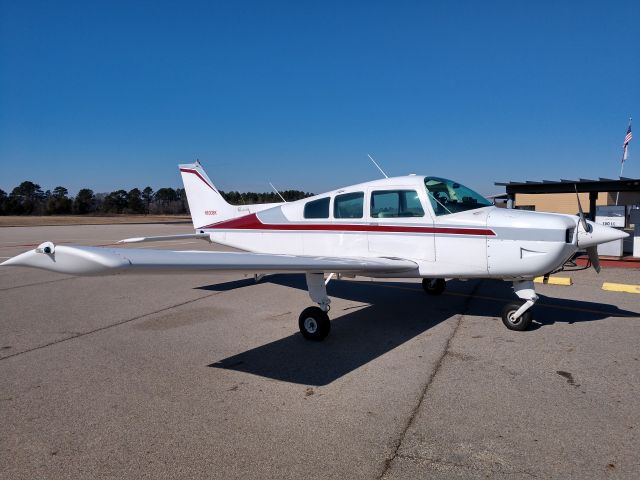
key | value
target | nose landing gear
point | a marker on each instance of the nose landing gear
(517, 315)
(523, 322)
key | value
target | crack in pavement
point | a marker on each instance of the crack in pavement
(440, 461)
(37, 283)
(425, 388)
(106, 327)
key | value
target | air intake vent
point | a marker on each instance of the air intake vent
(569, 235)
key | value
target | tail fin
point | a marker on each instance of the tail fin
(206, 204)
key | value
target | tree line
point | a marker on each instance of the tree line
(248, 198)
(28, 198)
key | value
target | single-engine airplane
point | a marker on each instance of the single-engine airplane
(402, 227)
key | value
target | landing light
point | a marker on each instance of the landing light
(46, 247)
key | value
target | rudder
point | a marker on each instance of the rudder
(206, 204)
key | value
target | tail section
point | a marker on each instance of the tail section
(206, 204)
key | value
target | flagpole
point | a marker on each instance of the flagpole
(624, 155)
(624, 150)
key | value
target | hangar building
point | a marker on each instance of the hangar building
(560, 196)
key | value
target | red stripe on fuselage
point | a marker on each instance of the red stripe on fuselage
(252, 222)
(197, 174)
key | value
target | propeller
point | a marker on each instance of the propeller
(585, 225)
(592, 251)
(593, 257)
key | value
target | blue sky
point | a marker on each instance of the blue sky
(114, 94)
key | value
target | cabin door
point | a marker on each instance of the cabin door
(400, 225)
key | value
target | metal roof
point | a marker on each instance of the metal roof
(623, 184)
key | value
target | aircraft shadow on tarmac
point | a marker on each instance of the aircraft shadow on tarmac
(393, 315)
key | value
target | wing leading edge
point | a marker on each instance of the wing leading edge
(80, 260)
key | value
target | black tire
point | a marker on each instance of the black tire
(523, 323)
(314, 324)
(434, 286)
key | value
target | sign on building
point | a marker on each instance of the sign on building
(611, 215)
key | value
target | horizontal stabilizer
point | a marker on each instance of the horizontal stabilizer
(77, 260)
(163, 238)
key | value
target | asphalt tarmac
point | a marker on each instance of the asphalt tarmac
(207, 376)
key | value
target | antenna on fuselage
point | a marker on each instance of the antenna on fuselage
(276, 190)
(374, 162)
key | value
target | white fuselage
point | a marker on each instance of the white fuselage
(483, 242)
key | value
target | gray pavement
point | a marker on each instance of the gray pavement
(206, 376)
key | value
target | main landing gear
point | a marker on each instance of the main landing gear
(313, 321)
(517, 315)
(433, 286)
(315, 325)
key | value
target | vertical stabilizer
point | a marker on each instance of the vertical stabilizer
(206, 204)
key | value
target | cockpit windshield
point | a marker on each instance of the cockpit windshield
(448, 197)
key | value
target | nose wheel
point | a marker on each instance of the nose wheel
(521, 323)
(517, 315)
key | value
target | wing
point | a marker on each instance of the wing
(77, 260)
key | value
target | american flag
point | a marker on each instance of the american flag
(625, 145)
(628, 137)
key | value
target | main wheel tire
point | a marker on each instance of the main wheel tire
(522, 323)
(314, 324)
(434, 286)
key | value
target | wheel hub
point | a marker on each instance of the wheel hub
(310, 325)
(512, 319)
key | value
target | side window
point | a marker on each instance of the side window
(317, 208)
(348, 205)
(411, 206)
(395, 203)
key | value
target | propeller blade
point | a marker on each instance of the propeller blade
(582, 219)
(593, 257)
